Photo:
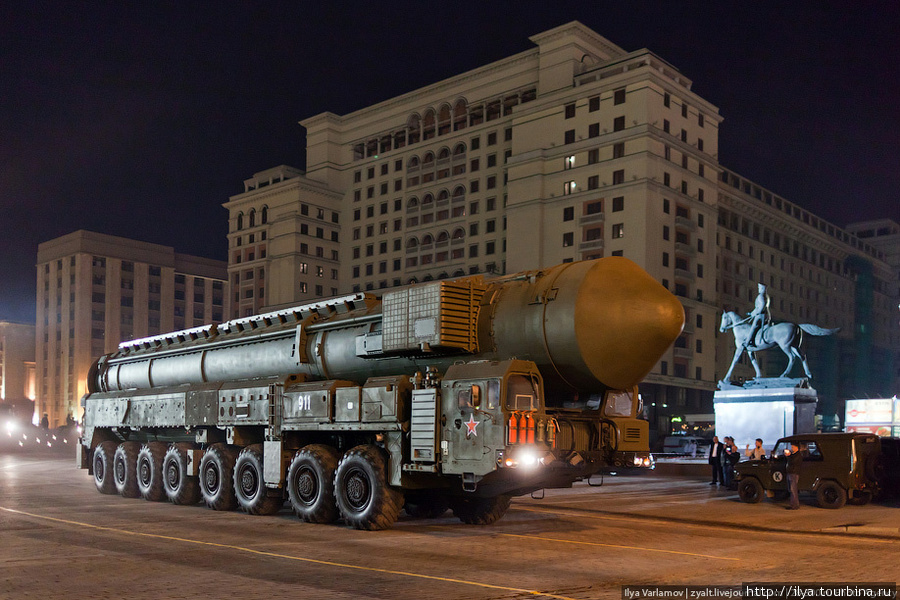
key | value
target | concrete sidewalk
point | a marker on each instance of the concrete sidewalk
(679, 492)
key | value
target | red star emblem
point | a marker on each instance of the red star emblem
(471, 424)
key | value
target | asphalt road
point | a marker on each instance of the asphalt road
(59, 538)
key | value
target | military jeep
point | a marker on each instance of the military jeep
(838, 467)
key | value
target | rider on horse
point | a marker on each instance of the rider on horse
(759, 316)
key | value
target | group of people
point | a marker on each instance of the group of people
(723, 456)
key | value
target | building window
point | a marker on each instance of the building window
(618, 230)
(594, 130)
(665, 232)
(619, 150)
(569, 136)
(594, 208)
(569, 163)
(569, 187)
(619, 123)
(667, 99)
(569, 213)
(665, 259)
(618, 177)
(570, 110)
(568, 240)
(593, 156)
(619, 96)
(594, 104)
(593, 182)
(618, 203)
(684, 110)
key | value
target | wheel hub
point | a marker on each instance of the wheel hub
(358, 490)
(249, 482)
(98, 468)
(307, 486)
(211, 478)
(120, 470)
(172, 476)
(145, 472)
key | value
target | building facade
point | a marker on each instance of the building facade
(572, 150)
(17, 367)
(95, 291)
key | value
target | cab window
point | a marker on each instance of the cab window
(618, 404)
(521, 393)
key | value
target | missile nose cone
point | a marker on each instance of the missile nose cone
(624, 321)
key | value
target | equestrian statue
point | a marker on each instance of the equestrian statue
(756, 332)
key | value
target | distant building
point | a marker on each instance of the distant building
(574, 149)
(95, 291)
(17, 380)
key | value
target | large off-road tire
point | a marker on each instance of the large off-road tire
(426, 505)
(125, 469)
(831, 495)
(104, 477)
(750, 490)
(364, 498)
(249, 484)
(310, 483)
(149, 471)
(217, 477)
(180, 487)
(480, 511)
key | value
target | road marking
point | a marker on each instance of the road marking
(289, 557)
(654, 519)
(546, 539)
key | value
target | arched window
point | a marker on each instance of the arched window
(460, 113)
(240, 223)
(443, 237)
(414, 124)
(458, 233)
(428, 160)
(428, 123)
(412, 242)
(412, 281)
(459, 192)
(443, 195)
(459, 273)
(443, 275)
(252, 217)
(459, 149)
(264, 218)
(412, 163)
(427, 201)
(412, 204)
(444, 153)
(444, 120)
(427, 239)
(428, 278)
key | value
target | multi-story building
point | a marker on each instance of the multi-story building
(95, 291)
(283, 241)
(572, 150)
(816, 273)
(16, 362)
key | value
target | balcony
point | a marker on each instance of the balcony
(591, 245)
(685, 249)
(683, 352)
(590, 219)
(684, 275)
(685, 223)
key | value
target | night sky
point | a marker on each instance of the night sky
(140, 122)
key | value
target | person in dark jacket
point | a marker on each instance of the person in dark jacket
(794, 462)
(716, 452)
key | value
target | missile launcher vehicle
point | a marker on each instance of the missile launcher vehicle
(453, 394)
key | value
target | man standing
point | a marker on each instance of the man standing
(716, 450)
(758, 453)
(794, 461)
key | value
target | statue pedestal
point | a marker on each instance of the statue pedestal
(765, 408)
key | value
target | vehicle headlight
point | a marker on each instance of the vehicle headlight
(10, 427)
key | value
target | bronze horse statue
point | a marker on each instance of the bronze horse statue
(787, 336)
